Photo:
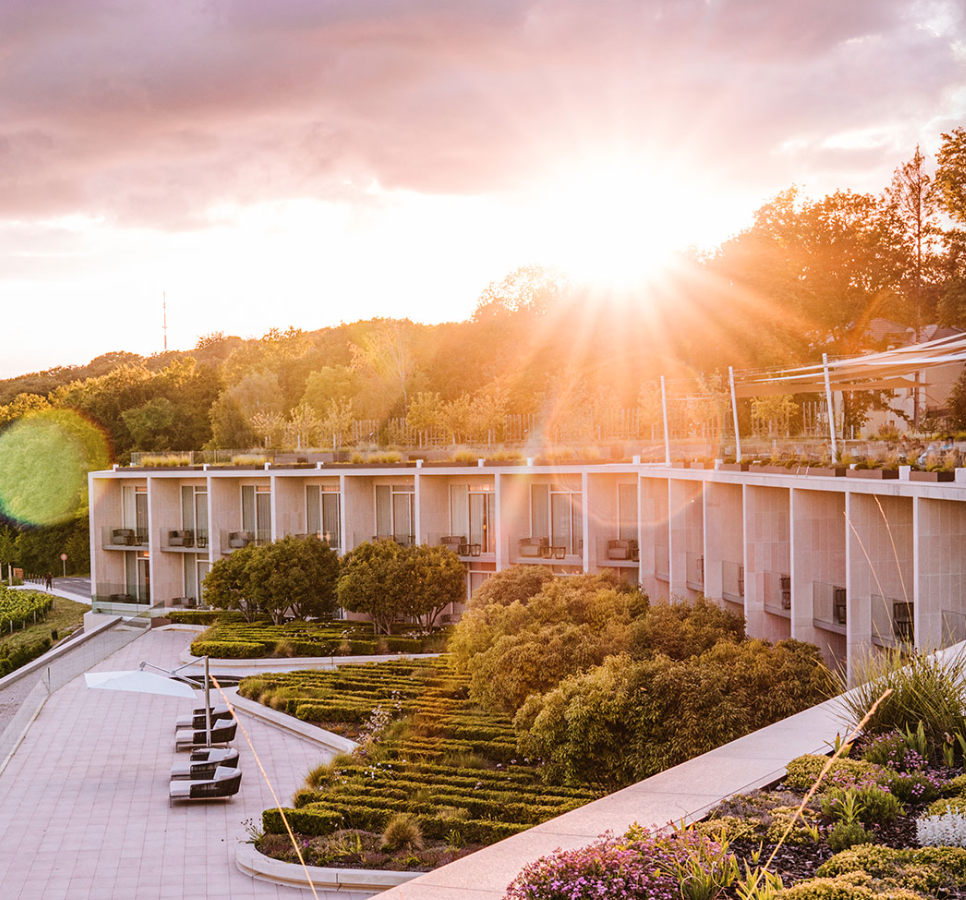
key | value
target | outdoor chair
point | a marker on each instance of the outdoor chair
(534, 547)
(622, 549)
(122, 537)
(197, 718)
(191, 739)
(203, 763)
(240, 538)
(455, 542)
(223, 785)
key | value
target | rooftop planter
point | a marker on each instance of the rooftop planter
(734, 467)
(826, 471)
(932, 476)
(875, 474)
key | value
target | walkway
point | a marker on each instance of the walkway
(84, 811)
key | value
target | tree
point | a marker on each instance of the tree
(374, 580)
(297, 574)
(957, 403)
(439, 580)
(387, 581)
(949, 186)
(228, 585)
(424, 414)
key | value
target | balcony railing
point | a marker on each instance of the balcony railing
(117, 537)
(618, 550)
(236, 540)
(184, 539)
(120, 594)
(829, 606)
(733, 581)
(778, 593)
(458, 544)
(695, 573)
(892, 621)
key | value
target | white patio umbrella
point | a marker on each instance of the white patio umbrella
(143, 682)
(140, 682)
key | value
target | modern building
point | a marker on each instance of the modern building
(848, 563)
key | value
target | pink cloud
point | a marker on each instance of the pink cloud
(151, 112)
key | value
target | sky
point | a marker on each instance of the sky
(263, 163)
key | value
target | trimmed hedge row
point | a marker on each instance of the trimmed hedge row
(412, 773)
(228, 649)
(317, 821)
(330, 638)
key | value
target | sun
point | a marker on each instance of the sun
(614, 222)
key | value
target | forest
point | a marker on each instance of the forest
(805, 278)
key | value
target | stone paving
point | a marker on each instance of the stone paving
(84, 811)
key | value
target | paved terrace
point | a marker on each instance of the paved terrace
(84, 811)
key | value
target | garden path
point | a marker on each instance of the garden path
(84, 811)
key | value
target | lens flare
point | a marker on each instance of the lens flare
(44, 461)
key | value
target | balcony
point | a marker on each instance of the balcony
(184, 540)
(120, 599)
(114, 537)
(829, 607)
(892, 622)
(733, 582)
(459, 545)
(541, 549)
(236, 540)
(778, 594)
(618, 552)
(695, 572)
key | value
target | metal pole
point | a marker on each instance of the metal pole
(734, 413)
(667, 438)
(831, 410)
(207, 706)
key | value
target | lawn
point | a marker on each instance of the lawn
(20, 646)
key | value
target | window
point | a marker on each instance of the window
(395, 512)
(195, 569)
(322, 514)
(194, 514)
(134, 511)
(472, 514)
(257, 512)
(627, 512)
(137, 575)
(556, 513)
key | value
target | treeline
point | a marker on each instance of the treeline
(805, 278)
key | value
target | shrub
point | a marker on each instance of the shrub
(648, 866)
(307, 821)
(925, 689)
(402, 831)
(803, 771)
(228, 649)
(847, 834)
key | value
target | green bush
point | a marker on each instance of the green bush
(307, 821)
(199, 616)
(228, 649)
(13, 659)
(802, 772)
(847, 834)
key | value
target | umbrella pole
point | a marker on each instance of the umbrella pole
(207, 706)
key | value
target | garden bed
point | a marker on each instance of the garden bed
(435, 778)
(237, 639)
(885, 817)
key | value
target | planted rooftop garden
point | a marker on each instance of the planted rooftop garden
(554, 692)
(882, 817)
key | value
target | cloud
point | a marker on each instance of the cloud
(151, 113)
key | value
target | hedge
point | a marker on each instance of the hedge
(228, 649)
(499, 798)
(313, 822)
